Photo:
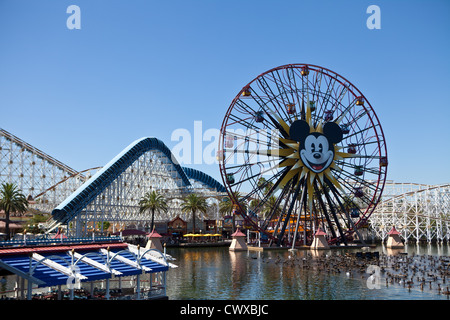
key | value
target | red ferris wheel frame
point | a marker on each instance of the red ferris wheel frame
(298, 71)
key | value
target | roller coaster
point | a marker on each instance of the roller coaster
(419, 212)
(81, 200)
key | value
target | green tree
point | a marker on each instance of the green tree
(11, 200)
(193, 204)
(254, 204)
(269, 206)
(103, 226)
(32, 224)
(226, 206)
(153, 201)
(264, 185)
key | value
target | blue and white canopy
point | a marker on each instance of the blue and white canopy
(63, 264)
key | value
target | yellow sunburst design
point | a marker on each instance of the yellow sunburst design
(290, 157)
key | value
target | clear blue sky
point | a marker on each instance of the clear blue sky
(147, 68)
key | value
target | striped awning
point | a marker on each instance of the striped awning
(61, 265)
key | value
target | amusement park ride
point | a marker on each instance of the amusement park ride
(308, 140)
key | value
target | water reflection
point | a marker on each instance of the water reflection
(217, 273)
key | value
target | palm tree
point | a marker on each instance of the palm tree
(270, 206)
(194, 203)
(226, 206)
(11, 200)
(153, 201)
(264, 185)
(254, 204)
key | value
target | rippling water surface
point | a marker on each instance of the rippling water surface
(217, 273)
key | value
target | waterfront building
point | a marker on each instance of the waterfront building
(238, 243)
(73, 269)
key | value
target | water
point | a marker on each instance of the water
(215, 273)
(218, 274)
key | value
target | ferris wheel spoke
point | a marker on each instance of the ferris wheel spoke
(288, 204)
(291, 207)
(254, 137)
(357, 167)
(357, 179)
(317, 83)
(364, 199)
(365, 143)
(368, 158)
(351, 224)
(246, 168)
(275, 210)
(328, 93)
(273, 185)
(243, 122)
(277, 122)
(293, 86)
(244, 107)
(280, 126)
(372, 170)
(358, 116)
(281, 88)
(342, 94)
(264, 86)
(270, 152)
(359, 132)
(259, 163)
(348, 220)
(324, 210)
(273, 124)
(332, 207)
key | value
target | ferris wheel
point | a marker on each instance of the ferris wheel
(300, 149)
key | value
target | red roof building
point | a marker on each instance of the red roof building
(238, 233)
(393, 231)
(320, 232)
(238, 242)
(154, 234)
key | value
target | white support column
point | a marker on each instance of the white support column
(16, 287)
(417, 228)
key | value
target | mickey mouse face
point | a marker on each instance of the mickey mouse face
(316, 153)
(316, 149)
